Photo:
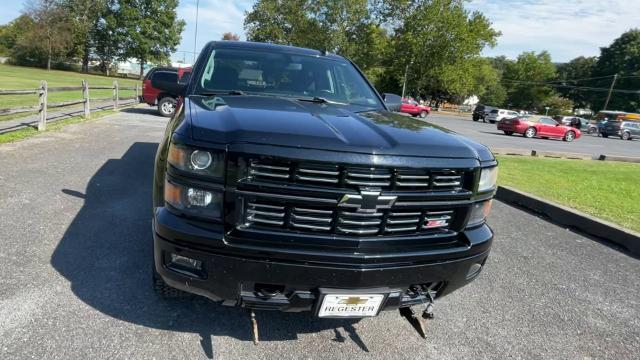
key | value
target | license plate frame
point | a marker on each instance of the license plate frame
(375, 298)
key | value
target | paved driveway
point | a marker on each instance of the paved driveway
(75, 257)
(487, 134)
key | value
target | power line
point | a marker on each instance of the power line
(588, 88)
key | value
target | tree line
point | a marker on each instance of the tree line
(533, 81)
(56, 33)
(437, 46)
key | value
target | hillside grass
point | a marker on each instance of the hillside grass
(19, 77)
(605, 189)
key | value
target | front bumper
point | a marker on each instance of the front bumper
(237, 276)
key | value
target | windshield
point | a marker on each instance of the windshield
(288, 75)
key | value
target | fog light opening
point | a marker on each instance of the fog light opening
(474, 270)
(186, 262)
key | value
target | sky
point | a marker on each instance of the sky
(565, 28)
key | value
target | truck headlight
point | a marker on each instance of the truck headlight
(196, 161)
(193, 201)
(488, 179)
(479, 213)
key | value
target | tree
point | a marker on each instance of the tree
(85, 16)
(10, 33)
(443, 42)
(527, 80)
(622, 57)
(49, 37)
(230, 36)
(558, 105)
(152, 29)
(345, 27)
(495, 93)
(577, 72)
(107, 36)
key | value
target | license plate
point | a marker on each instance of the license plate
(344, 305)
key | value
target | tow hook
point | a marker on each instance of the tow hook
(419, 322)
(254, 327)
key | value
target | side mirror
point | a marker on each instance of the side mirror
(393, 101)
(177, 88)
(184, 75)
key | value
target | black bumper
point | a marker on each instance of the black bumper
(235, 276)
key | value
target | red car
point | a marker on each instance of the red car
(415, 109)
(538, 126)
(167, 103)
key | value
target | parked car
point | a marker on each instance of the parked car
(414, 108)
(626, 130)
(498, 114)
(480, 112)
(283, 195)
(166, 102)
(585, 125)
(538, 126)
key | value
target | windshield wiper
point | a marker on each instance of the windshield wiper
(320, 100)
(226, 92)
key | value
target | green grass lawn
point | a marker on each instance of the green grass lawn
(18, 77)
(604, 189)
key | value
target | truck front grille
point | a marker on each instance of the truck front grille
(343, 176)
(326, 219)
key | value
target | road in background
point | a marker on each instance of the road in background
(75, 276)
(489, 135)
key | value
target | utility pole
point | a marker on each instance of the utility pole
(606, 103)
(195, 37)
(404, 84)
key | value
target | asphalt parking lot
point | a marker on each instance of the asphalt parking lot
(75, 275)
(487, 134)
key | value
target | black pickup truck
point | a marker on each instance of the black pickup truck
(284, 182)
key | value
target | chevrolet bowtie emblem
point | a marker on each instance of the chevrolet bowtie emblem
(367, 201)
(353, 301)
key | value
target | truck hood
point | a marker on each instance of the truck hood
(288, 122)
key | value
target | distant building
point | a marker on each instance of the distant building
(132, 68)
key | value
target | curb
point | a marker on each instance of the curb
(564, 155)
(565, 216)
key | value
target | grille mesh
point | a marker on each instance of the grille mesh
(341, 221)
(331, 175)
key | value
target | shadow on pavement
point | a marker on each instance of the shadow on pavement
(106, 254)
(141, 110)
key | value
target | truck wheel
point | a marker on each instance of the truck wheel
(423, 114)
(167, 106)
(569, 136)
(625, 136)
(531, 132)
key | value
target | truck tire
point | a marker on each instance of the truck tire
(167, 106)
(423, 114)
